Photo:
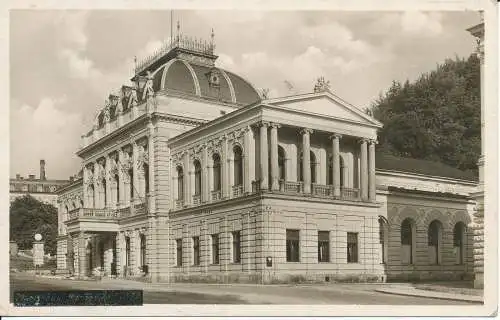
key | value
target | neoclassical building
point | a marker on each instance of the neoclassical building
(191, 175)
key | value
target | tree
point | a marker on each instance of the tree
(437, 117)
(29, 216)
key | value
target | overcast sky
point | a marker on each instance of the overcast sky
(63, 64)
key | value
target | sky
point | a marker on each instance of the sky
(64, 64)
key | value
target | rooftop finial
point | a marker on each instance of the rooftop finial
(135, 64)
(212, 38)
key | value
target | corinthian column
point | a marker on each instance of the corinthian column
(371, 171)
(274, 157)
(336, 163)
(264, 157)
(363, 169)
(306, 159)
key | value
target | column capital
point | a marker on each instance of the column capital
(372, 141)
(306, 131)
(363, 140)
(335, 136)
(262, 124)
(274, 125)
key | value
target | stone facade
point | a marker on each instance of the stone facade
(190, 186)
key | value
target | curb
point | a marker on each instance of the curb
(409, 294)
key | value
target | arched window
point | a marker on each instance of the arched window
(217, 172)
(180, 183)
(383, 237)
(312, 161)
(104, 192)
(458, 242)
(281, 163)
(197, 178)
(145, 168)
(407, 241)
(143, 250)
(238, 166)
(127, 251)
(91, 196)
(434, 241)
(117, 181)
(329, 176)
(131, 177)
(342, 172)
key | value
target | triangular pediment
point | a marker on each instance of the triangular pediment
(326, 104)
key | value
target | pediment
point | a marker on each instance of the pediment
(325, 104)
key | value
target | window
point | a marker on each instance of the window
(131, 181)
(215, 249)
(146, 178)
(407, 241)
(236, 247)
(143, 250)
(180, 183)
(196, 251)
(281, 163)
(197, 178)
(104, 192)
(292, 245)
(434, 242)
(217, 172)
(458, 242)
(352, 247)
(127, 251)
(323, 246)
(117, 179)
(238, 166)
(179, 252)
(312, 166)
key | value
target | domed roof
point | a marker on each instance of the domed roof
(184, 77)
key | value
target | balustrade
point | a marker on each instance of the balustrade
(291, 186)
(196, 199)
(237, 191)
(322, 190)
(179, 203)
(350, 194)
(216, 195)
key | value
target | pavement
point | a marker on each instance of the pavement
(332, 293)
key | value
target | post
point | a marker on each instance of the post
(364, 170)
(371, 171)
(336, 164)
(306, 159)
(264, 158)
(274, 157)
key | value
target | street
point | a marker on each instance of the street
(232, 293)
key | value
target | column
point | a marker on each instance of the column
(152, 197)
(85, 187)
(264, 158)
(134, 251)
(109, 194)
(205, 189)
(121, 179)
(135, 173)
(274, 157)
(119, 254)
(247, 181)
(141, 186)
(226, 187)
(187, 180)
(371, 171)
(306, 159)
(97, 187)
(336, 164)
(82, 255)
(363, 169)
(210, 178)
(230, 172)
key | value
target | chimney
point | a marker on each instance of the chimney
(31, 177)
(42, 169)
(18, 176)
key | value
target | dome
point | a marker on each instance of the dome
(188, 78)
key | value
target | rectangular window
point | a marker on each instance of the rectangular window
(196, 251)
(179, 252)
(236, 247)
(323, 246)
(292, 246)
(215, 249)
(352, 247)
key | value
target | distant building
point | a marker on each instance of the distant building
(42, 189)
(191, 176)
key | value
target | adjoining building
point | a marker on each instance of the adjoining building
(42, 189)
(191, 175)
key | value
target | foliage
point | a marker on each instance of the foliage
(436, 118)
(29, 216)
